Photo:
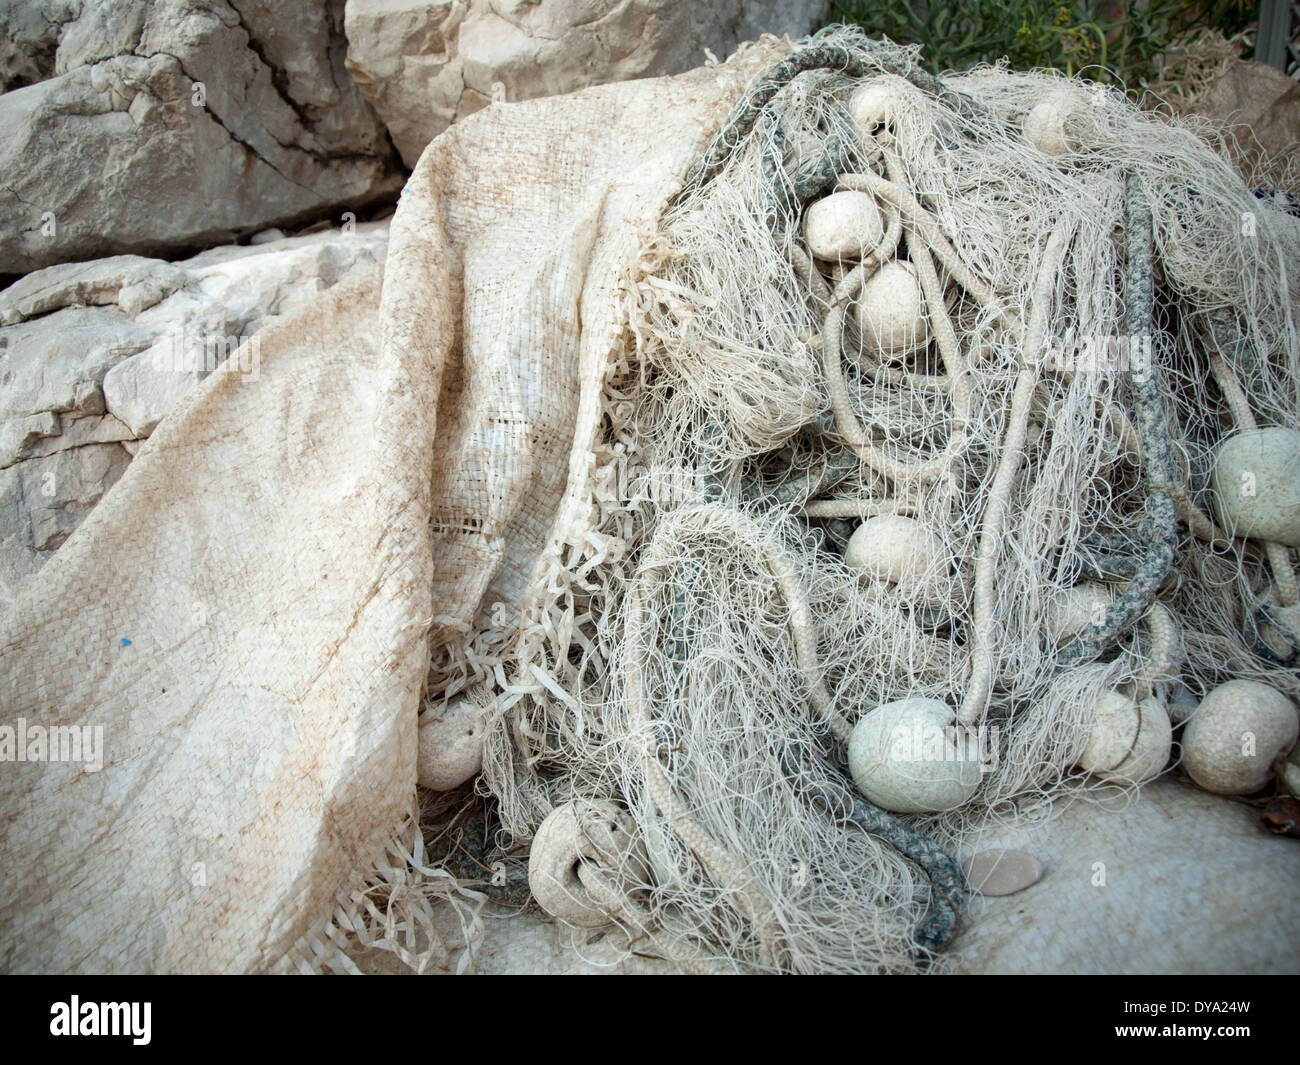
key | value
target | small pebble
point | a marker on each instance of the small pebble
(266, 236)
(1002, 872)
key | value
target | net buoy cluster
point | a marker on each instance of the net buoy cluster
(978, 405)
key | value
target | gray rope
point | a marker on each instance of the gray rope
(1160, 523)
(856, 59)
(816, 781)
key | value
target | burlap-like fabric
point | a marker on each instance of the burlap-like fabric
(243, 615)
(506, 260)
(248, 613)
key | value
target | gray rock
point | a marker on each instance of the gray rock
(1002, 872)
(44, 499)
(172, 123)
(57, 363)
(1176, 882)
(426, 63)
(18, 436)
(99, 282)
(78, 432)
(29, 41)
(95, 381)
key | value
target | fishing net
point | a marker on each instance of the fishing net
(966, 460)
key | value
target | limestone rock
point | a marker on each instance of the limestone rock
(144, 388)
(44, 499)
(165, 125)
(28, 43)
(100, 282)
(91, 382)
(56, 364)
(425, 63)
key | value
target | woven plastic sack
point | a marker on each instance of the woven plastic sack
(247, 614)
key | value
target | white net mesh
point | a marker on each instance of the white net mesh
(696, 649)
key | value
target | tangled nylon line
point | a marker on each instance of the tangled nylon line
(984, 521)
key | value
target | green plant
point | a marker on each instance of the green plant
(1116, 42)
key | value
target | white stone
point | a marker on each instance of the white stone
(56, 363)
(1256, 484)
(891, 311)
(843, 225)
(142, 390)
(903, 758)
(424, 64)
(99, 281)
(1232, 740)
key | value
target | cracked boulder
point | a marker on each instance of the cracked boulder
(94, 355)
(426, 63)
(155, 127)
(44, 499)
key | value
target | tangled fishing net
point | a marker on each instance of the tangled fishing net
(950, 437)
